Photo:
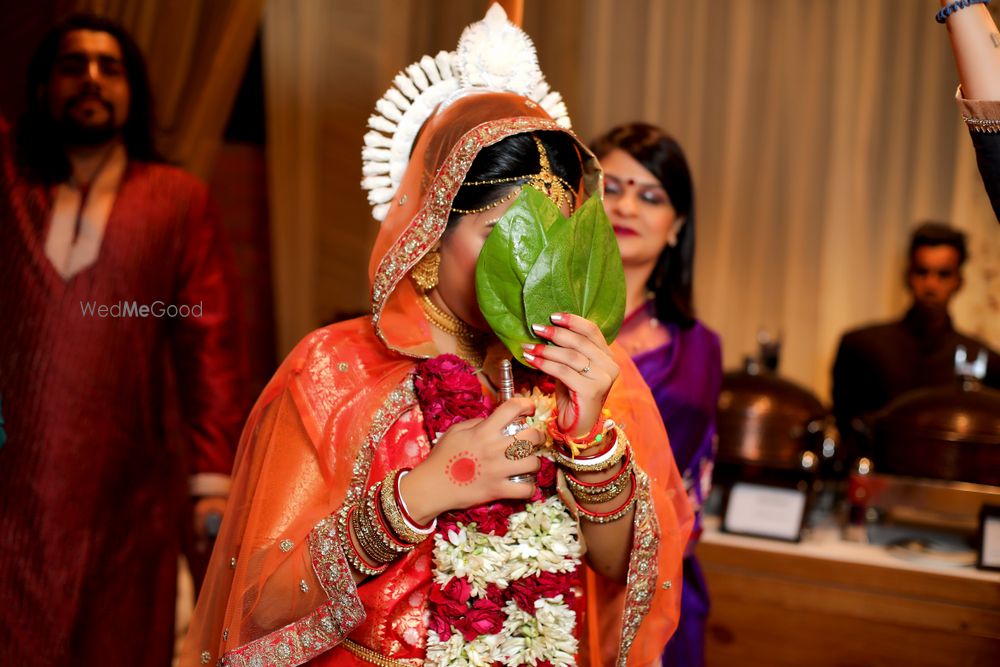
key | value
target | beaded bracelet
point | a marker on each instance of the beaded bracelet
(577, 445)
(573, 448)
(613, 515)
(402, 525)
(958, 5)
(600, 463)
(351, 553)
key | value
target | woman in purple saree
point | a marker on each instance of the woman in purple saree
(650, 201)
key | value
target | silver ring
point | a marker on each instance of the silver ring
(520, 479)
(585, 370)
(514, 427)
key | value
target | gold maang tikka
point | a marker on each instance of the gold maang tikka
(547, 181)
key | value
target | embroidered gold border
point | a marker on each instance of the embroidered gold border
(642, 567)
(399, 400)
(321, 630)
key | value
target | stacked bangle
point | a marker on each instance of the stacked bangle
(354, 557)
(613, 515)
(604, 491)
(394, 509)
(367, 537)
(948, 10)
(371, 531)
(381, 525)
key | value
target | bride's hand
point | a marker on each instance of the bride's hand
(580, 359)
(468, 465)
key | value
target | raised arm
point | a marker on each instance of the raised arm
(975, 41)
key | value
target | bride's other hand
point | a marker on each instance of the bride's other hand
(468, 465)
(580, 359)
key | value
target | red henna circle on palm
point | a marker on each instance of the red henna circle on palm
(463, 468)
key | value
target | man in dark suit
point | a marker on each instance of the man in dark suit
(876, 364)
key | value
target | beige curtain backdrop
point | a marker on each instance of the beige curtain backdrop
(819, 131)
(325, 64)
(197, 52)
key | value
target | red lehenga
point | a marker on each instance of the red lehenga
(341, 411)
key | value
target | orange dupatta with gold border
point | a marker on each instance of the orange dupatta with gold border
(278, 590)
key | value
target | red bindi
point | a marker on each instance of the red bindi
(463, 468)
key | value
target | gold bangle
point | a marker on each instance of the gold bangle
(367, 534)
(602, 494)
(594, 488)
(373, 516)
(613, 515)
(392, 513)
(368, 544)
(354, 558)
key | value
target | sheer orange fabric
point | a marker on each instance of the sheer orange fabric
(340, 410)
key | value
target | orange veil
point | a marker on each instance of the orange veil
(278, 589)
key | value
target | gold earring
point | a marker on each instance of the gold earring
(425, 273)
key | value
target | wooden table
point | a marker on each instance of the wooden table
(829, 602)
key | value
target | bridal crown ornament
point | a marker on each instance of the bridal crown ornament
(493, 55)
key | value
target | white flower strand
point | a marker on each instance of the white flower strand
(525, 639)
(542, 538)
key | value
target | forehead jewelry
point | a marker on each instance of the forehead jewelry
(506, 198)
(545, 180)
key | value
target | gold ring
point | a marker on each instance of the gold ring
(519, 449)
(585, 369)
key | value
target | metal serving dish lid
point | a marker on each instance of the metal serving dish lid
(950, 433)
(767, 420)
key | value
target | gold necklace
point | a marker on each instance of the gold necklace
(468, 339)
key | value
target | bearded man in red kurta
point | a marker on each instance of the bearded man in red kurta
(115, 284)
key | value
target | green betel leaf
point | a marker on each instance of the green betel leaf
(504, 262)
(579, 272)
(535, 262)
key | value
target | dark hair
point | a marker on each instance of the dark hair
(516, 155)
(672, 277)
(38, 147)
(935, 234)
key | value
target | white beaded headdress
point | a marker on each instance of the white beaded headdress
(492, 55)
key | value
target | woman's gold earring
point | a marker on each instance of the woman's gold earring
(425, 273)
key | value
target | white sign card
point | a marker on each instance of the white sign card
(764, 511)
(989, 554)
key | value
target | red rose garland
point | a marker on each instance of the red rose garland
(448, 393)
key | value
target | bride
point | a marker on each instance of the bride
(383, 510)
